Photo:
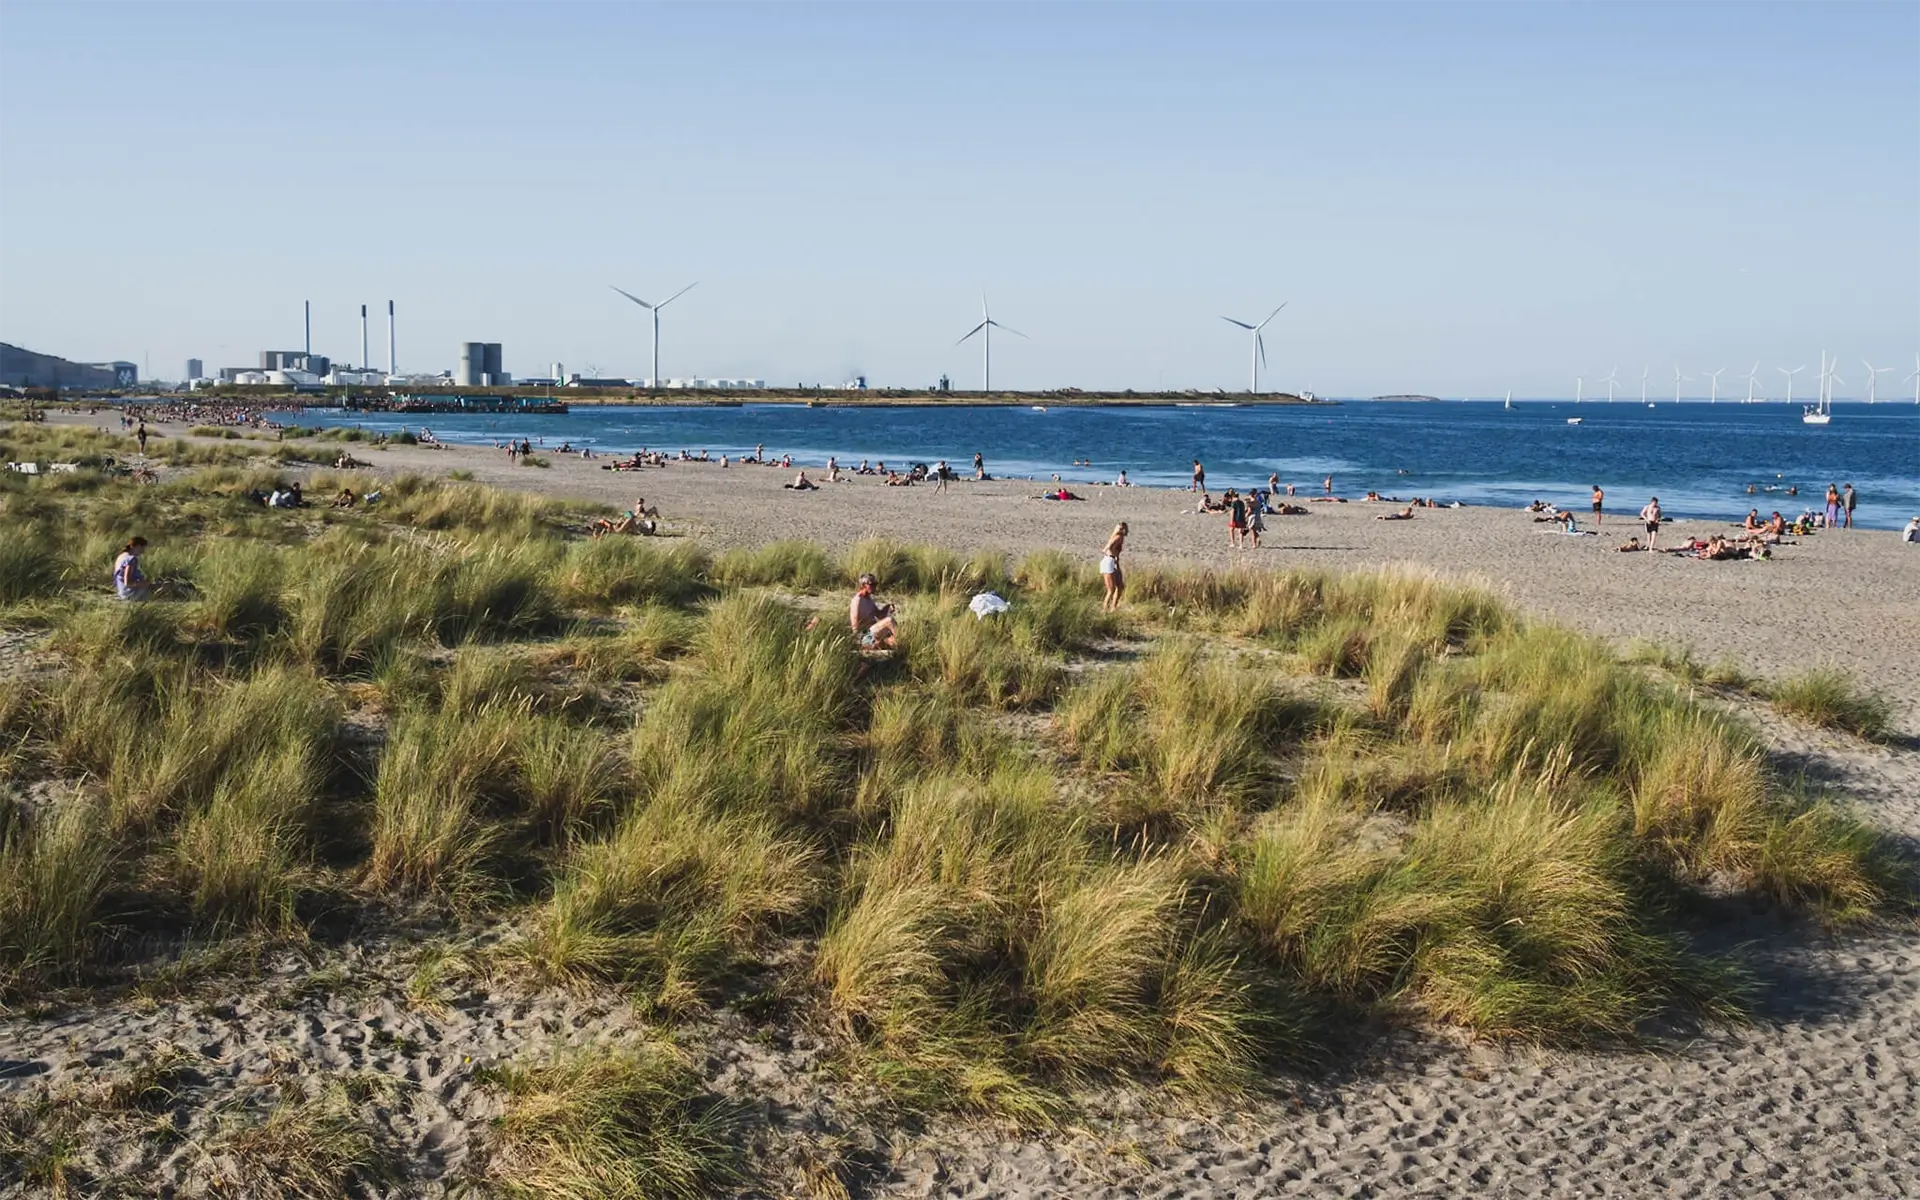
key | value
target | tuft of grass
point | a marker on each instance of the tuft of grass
(673, 900)
(613, 571)
(1829, 698)
(444, 772)
(309, 1145)
(802, 566)
(30, 567)
(54, 870)
(993, 662)
(634, 1124)
(762, 720)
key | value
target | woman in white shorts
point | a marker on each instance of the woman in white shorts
(1110, 573)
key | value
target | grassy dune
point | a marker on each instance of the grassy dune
(1178, 845)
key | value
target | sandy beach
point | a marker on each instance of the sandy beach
(1814, 1098)
(1845, 598)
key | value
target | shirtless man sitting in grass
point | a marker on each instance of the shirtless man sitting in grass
(873, 622)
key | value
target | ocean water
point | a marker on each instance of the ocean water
(1698, 458)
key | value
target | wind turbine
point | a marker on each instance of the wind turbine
(1833, 381)
(1873, 379)
(1643, 385)
(985, 329)
(1713, 397)
(1579, 385)
(654, 382)
(1753, 378)
(1914, 379)
(1259, 346)
(1613, 377)
(1790, 375)
(1677, 378)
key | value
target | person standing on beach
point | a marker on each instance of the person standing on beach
(142, 435)
(1651, 515)
(1236, 519)
(1199, 483)
(1273, 483)
(1599, 497)
(1110, 574)
(1833, 507)
(979, 466)
(1847, 499)
(1326, 485)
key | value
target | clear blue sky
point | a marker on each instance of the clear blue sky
(1457, 199)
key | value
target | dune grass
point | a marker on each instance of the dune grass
(1830, 699)
(1045, 849)
(636, 1125)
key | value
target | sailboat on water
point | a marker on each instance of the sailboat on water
(1822, 412)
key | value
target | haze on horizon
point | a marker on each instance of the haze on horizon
(1455, 198)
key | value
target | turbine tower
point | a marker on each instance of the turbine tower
(1259, 345)
(654, 382)
(1643, 385)
(1873, 379)
(985, 329)
(1613, 378)
(1753, 379)
(1713, 397)
(1914, 379)
(1677, 379)
(1790, 375)
(1579, 386)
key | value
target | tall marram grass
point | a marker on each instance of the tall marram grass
(1829, 698)
(636, 1124)
(673, 899)
(992, 866)
(55, 867)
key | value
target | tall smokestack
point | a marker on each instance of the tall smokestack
(363, 337)
(392, 367)
(309, 306)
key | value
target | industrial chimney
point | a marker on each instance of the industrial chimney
(392, 369)
(363, 337)
(309, 308)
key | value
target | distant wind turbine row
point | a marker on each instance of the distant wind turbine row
(1829, 371)
(1829, 379)
(984, 330)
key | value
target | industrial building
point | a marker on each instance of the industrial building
(711, 384)
(21, 367)
(195, 370)
(480, 366)
(295, 360)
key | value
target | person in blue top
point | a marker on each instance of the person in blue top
(129, 581)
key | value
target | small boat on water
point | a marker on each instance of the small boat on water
(1814, 414)
(1575, 420)
(1039, 408)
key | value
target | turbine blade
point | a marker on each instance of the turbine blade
(1010, 329)
(1241, 324)
(1260, 344)
(683, 291)
(1273, 314)
(632, 297)
(974, 330)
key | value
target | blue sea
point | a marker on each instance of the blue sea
(1700, 459)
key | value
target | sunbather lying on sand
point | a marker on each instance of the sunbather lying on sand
(1405, 514)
